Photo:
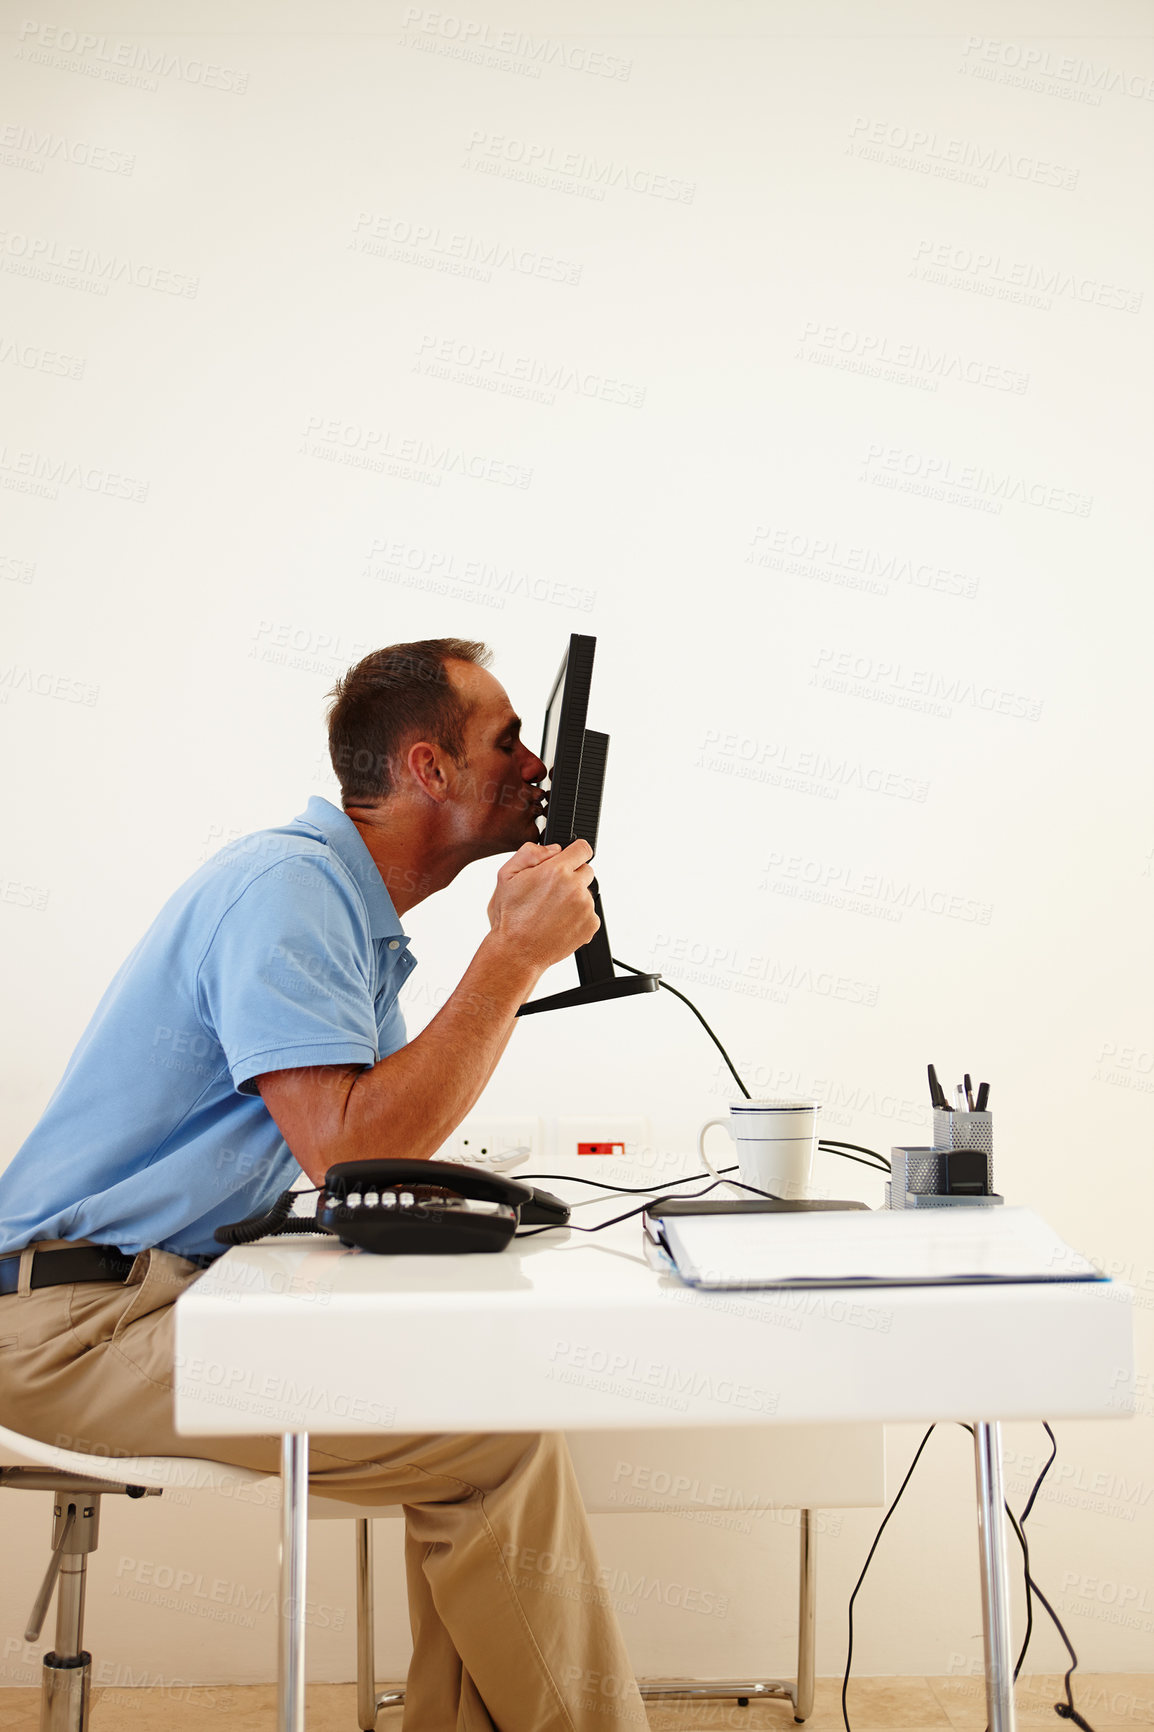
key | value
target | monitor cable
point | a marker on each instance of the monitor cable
(650, 1197)
(646, 1191)
(617, 963)
(1064, 1710)
(829, 1143)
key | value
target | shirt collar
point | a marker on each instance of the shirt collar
(338, 830)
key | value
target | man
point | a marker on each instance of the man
(254, 1031)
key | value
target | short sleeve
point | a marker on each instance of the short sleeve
(285, 980)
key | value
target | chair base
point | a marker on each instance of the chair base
(716, 1690)
(744, 1691)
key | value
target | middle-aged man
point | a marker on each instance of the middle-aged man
(254, 1031)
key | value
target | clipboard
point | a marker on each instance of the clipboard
(852, 1246)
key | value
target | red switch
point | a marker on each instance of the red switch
(601, 1148)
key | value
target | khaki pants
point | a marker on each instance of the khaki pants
(499, 1645)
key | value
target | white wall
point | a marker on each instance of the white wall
(842, 464)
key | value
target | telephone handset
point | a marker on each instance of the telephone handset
(410, 1207)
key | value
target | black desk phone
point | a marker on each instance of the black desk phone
(424, 1208)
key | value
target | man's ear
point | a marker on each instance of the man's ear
(426, 767)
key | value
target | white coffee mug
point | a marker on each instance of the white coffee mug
(775, 1140)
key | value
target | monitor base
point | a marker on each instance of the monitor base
(593, 992)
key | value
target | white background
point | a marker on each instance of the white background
(845, 314)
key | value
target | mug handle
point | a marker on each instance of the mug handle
(705, 1160)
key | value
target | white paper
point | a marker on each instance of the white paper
(839, 1247)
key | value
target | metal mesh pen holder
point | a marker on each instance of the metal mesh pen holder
(965, 1131)
(922, 1172)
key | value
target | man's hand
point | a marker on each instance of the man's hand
(542, 904)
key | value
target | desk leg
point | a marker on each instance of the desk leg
(806, 1609)
(293, 1574)
(995, 1580)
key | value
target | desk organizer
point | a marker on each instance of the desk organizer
(918, 1175)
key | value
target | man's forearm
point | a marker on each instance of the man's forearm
(407, 1104)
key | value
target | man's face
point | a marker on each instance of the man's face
(496, 794)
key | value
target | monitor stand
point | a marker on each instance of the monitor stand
(595, 972)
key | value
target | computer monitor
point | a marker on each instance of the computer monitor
(575, 757)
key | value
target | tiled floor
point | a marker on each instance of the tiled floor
(1109, 1702)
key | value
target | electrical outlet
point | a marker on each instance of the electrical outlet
(496, 1143)
(600, 1136)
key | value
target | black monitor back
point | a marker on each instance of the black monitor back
(575, 757)
(576, 773)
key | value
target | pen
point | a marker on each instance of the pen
(983, 1097)
(937, 1097)
(961, 1094)
(969, 1091)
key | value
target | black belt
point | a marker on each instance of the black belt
(75, 1263)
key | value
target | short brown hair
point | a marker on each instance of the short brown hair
(389, 699)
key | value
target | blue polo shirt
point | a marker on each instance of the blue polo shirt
(284, 949)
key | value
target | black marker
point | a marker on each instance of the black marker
(983, 1097)
(937, 1094)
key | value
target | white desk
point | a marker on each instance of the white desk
(565, 1332)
